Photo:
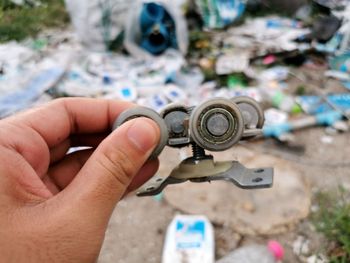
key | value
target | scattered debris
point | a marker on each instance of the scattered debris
(99, 23)
(219, 14)
(341, 126)
(301, 247)
(189, 239)
(327, 118)
(275, 116)
(232, 63)
(271, 253)
(317, 259)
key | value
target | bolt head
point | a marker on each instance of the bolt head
(177, 127)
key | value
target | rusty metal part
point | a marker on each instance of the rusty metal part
(206, 171)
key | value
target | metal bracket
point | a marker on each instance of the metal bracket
(207, 170)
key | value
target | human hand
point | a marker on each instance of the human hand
(55, 207)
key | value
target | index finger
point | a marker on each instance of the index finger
(57, 120)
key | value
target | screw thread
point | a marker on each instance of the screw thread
(198, 152)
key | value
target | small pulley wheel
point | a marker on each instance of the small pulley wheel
(174, 116)
(147, 113)
(252, 113)
(217, 124)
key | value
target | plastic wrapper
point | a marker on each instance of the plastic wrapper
(98, 22)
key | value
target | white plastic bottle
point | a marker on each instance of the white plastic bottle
(189, 239)
(272, 253)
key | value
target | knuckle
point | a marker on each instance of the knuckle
(58, 102)
(61, 103)
(118, 165)
(62, 100)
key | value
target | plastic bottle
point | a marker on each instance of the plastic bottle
(189, 239)
(281, 101)
(271, 253)
(284, 102)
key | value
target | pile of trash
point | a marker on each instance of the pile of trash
(162, 62)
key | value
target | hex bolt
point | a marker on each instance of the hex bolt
(217, 124)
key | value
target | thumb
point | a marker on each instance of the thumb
(105, 177)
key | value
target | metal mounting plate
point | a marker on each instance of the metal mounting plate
(236, 173)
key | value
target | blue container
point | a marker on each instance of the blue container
(156, 40)
(151, 14)
(157, 29)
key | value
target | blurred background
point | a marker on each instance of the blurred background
(293, 57)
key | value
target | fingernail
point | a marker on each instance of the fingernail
(143, 134)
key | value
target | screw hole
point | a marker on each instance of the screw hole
(257, 180)
(150, 188)
(259, 171)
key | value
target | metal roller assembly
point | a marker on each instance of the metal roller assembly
(215, 125)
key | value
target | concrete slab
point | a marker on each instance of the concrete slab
(136, 231)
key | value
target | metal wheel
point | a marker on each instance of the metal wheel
(148, 113)
(216, 125)
(175, 116)
(252, 113)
